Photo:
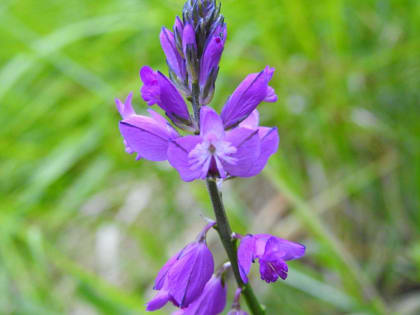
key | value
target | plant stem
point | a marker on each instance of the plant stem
(225, 233)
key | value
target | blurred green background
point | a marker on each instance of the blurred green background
(84, 228)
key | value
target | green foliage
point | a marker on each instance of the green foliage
(84, 227)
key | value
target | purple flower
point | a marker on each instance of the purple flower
(183, 278)
(158, 89)
(236, 307)
(251, 92)
(175, 61)
(272, 253)
(214, 151)
(147, 136)
(211, 302)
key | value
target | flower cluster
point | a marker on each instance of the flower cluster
(202, 144)
(231, 144)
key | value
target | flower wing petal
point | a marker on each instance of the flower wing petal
(146, 136)
(252, 121)
(178, 157)
(246, 256)
(189, 275)
(248, 95)
(269, 138)
(171, 100)
(247, 144)
(288, 250)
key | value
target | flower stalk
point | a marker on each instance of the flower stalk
(225, 234)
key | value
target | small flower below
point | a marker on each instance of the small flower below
(272, 253)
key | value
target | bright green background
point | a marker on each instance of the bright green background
(84, 228)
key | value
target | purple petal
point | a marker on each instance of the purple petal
(210, 123)
(125, 109)
(269, 138)
(150, 91)
(172, 133)
(146, 136)
(251, 92)
(178, 157)
(246, 256)
(173, 58)
(271, 96)
(252, 121)
(188, 276)
(286, 249)
(237, 312)
(171, 100)
(211, 302)
(157, 89)
(247, 144)
(159, 301)
(272, 269)
(212, 54)
(163, 272)
(260, 243)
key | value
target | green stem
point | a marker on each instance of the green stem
(225, 233)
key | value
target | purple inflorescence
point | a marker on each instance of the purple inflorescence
(203, 144)
(229, 145)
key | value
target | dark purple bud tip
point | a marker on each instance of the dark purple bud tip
(205, 17)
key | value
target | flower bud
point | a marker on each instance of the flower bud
(205, 17)
(189, 48)
(183, 278)
(209, 64)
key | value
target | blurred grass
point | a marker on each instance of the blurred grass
(84, 227)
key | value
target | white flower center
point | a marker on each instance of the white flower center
(201, 156)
